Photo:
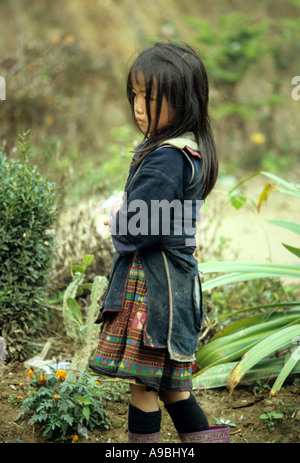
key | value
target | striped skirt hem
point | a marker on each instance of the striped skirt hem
(121, 353)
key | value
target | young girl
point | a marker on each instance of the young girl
(152, 310)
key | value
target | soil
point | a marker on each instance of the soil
(243, 410)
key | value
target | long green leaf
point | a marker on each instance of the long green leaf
(276, 322)
(287, 368)
(244, 181)
(73, 306)
(263, 349)
(290, 187)
(245, 271)
(240, 277)
(232, 347)
(229, 345)
(292, 249)
(292, 226)
(295, 194)
(230, 353)
(246, 322)
(217, 376)
(285, 183)
(250, 267)
(213, 377)
(71, 328)
(258, 307)
(238, 325)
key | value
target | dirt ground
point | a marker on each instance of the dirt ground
(244, 410)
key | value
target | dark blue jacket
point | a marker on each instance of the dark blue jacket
(174, 305)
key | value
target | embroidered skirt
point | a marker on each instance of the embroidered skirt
(121, 352)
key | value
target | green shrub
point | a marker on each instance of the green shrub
(27, 213)
(66, 407)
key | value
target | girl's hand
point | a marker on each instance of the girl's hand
(113, 210)
(108, 223)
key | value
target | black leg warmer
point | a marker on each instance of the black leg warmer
(140, 422)
(187, 415)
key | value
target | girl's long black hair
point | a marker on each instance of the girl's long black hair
(178, 73)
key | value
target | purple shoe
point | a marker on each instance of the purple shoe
(143, 438)
(215, 434)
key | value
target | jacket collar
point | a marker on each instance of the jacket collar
(187, 140)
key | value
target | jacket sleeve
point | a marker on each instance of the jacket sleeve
(151, 204)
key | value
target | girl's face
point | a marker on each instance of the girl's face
(140, 110)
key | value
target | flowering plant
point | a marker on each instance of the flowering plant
(64, 407)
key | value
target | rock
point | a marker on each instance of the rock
(269, 408)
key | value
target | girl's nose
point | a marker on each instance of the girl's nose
(139, 105)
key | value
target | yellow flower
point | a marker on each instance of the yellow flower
(55, 41)
(74, 438)
(258, 138)
(56, 396)
(31, 373)
(20, 397)
(32, 66)
(61, 374)
(70, 38)
(42, 380)
(49, 119)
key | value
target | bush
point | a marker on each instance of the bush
(65, 407)
(27, 213)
